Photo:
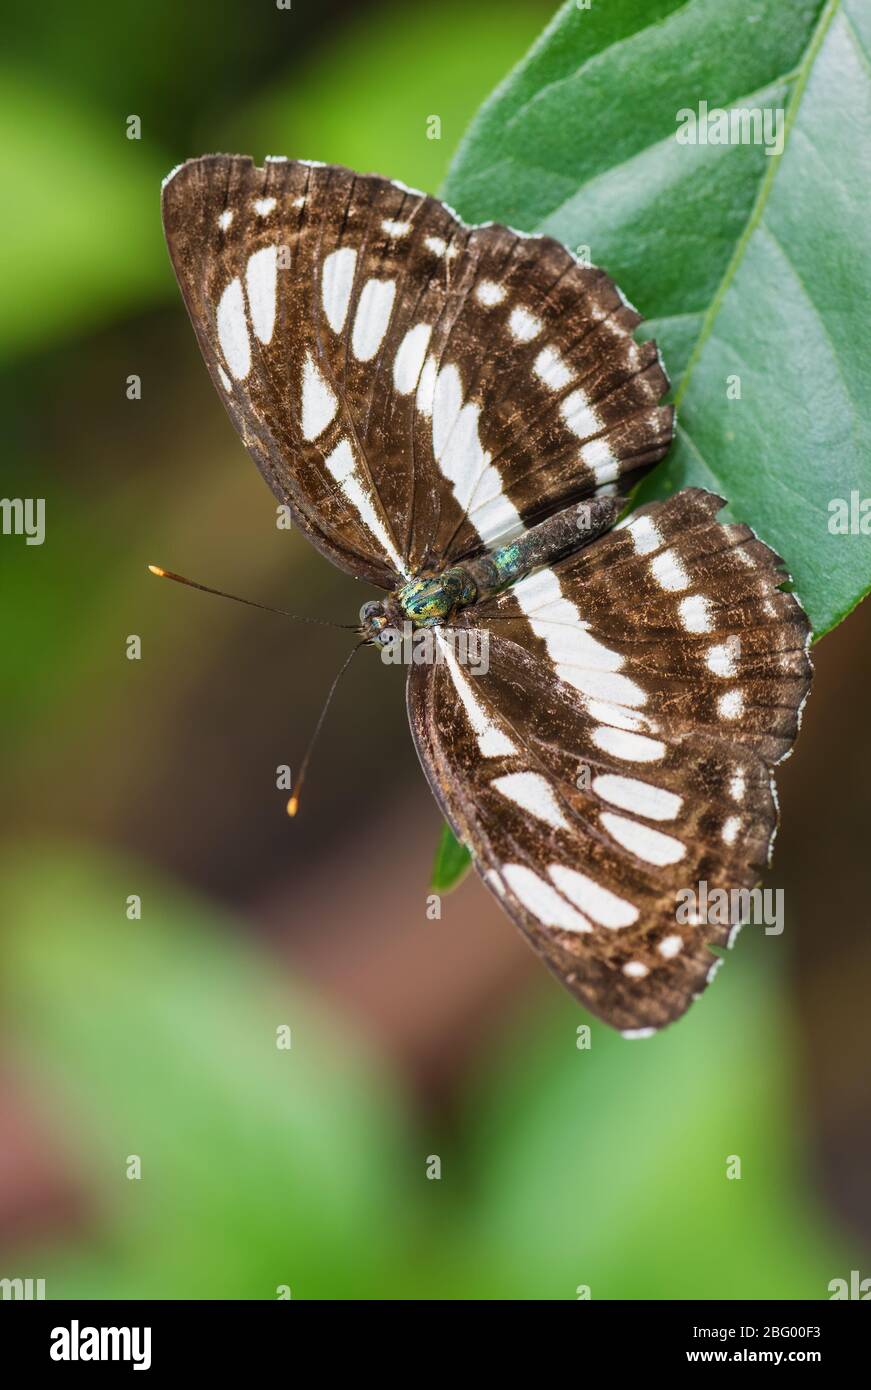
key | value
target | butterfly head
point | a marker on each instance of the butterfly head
(421, 602)
(378, 618)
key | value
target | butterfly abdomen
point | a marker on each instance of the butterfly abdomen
(560, 535)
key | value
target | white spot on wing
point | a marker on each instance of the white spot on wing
(495, 882)
(695, 613)
(730, 829)
(395, 229)
(550, 368)
(731, 705)
(523, 325)
(636, 970)
(580, 417)
(170, 176)
(225, 380)
(319, 404)
(738, 786)
(647, 844)
(489, 293)
(436, 244)
(264, 206)
(722, 658)
(646, 535)
(533, 793)
(669, 572)
(233, 330)
(372, 317)
(446, 407)
(619, 716)
(261, 282)
(669, 946)
(337, 281)
(225, 219)
(593, 900)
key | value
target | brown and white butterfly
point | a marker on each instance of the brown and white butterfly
(422, 394)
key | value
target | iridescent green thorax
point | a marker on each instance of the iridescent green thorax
(427, 602)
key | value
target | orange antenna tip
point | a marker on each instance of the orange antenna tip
(155, 569)
(293, 805)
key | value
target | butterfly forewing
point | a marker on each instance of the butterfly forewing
(619, 749)
(415, 389)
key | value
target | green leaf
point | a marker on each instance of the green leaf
(603, 1161)
(452, 862)
(746, 263)
(405, 87)
(261, 1165)
(85, 242)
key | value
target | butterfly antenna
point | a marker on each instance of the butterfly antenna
(293, 803)
(294, 617)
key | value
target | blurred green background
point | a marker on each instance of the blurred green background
(307, 1168)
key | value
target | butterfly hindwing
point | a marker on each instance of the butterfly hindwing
(619, 748)
(413, 388)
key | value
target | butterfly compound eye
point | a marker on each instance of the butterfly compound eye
(373, 620)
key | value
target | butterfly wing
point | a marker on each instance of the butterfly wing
(619, 749)
(412, 388)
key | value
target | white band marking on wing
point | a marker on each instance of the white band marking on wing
(337, 281)
(319, 404)
(597, 902)
(342, 466)
(408, 362)
(372, 317)
(233, 330)
(639, 797)
(580, 660)
(544, 902)
(650, 845)
(532, 792)
(261, 282)
(632, 748)
(493, 742)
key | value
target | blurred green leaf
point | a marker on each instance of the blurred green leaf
(82, 238)
(608, 1166)
(263, 1167)
(452, 862)
(367, 98)
(157, 1037)
(746, 263)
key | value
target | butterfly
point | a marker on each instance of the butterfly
(455, 414)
